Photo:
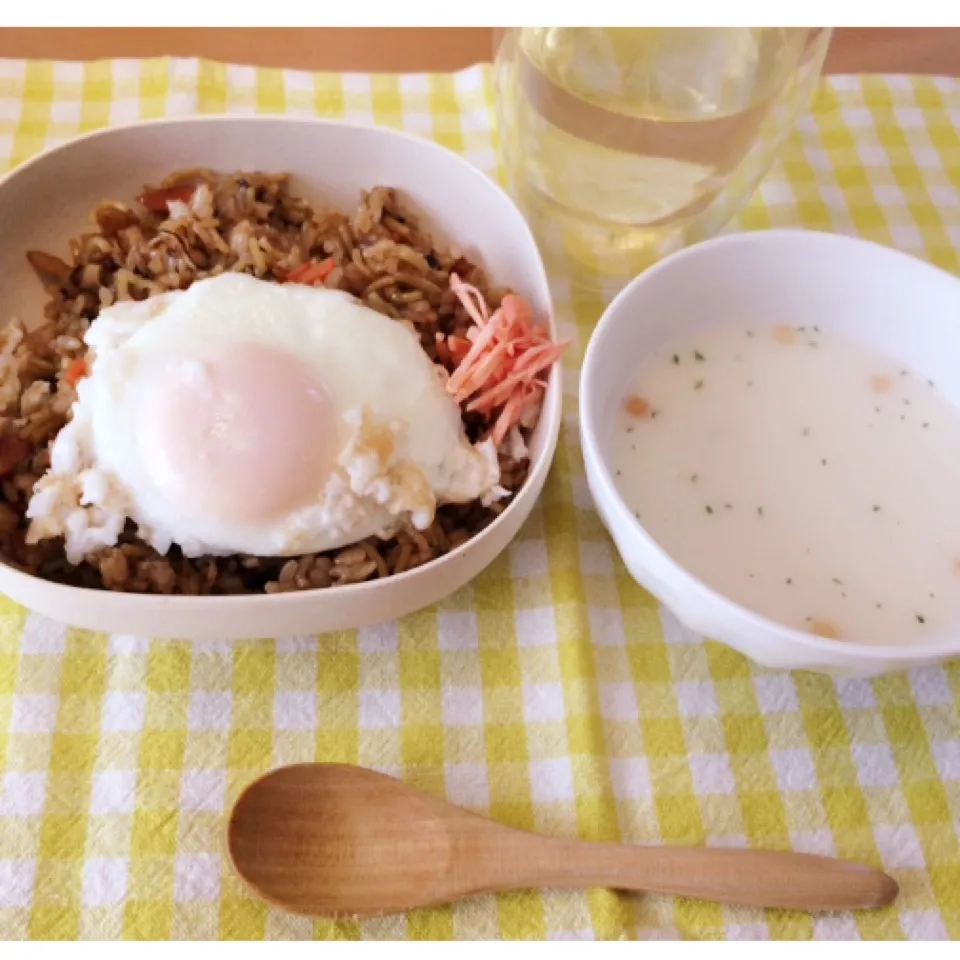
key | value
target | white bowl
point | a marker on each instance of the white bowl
(48, 200)
(885, 299)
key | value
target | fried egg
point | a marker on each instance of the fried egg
(241, 416)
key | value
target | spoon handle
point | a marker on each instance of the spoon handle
(747, 877)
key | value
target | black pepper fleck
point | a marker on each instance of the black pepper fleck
(698, 356)
(789, 581)
(759, 511)
(876, 508)
(676, 359)
(921, 618)
(698, 385)
(709, 509)
(838, 581)
(432, 261)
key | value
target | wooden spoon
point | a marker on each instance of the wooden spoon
(339, 841)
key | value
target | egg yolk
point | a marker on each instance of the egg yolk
(243, 432)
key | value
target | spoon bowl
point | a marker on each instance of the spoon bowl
(332, 840)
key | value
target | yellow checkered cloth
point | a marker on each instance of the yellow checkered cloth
(552, 693)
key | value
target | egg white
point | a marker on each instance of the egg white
(379, 380)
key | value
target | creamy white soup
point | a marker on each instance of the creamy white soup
(802, 475)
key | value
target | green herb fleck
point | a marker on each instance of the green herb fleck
(695, 478)
(813, 343)
(838, 581)
(728, 506)
(698, 385)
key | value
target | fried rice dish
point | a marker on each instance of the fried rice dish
(491, 354)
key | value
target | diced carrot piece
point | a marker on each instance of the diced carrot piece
(785, 335)
(76, 371)
(637, 407)
(825, 629)
(311, 273)
(881, 384)
(158, 201)
(459, 346)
